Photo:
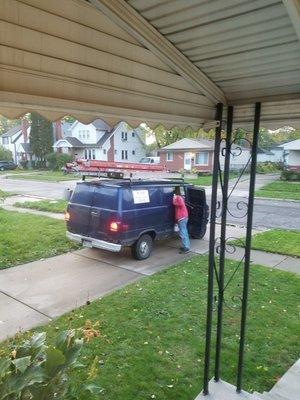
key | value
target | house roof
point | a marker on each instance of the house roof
(294, 145)
(189, 144)
(12, 131)
(26, 147)
(101, 125)
(264, 151)
(104, 138)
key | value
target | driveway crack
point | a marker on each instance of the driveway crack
(25, 304)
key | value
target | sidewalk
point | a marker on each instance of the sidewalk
(39, 291)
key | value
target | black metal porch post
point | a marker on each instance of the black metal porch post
(223, 241)
(248, 246)
(211, 257)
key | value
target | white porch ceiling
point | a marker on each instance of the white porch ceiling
(152, 61)
(249, 48)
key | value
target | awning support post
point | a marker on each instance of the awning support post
(248, 246)
(222, 247)
(211, 260)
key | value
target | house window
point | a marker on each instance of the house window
(5, 140)
(133, 134)
(124, 155)
(133, 152)
(90, 154)
(201, 158)
(124, 136)
(169, 156)
(104, 151)
(87, 135)
(116, 151)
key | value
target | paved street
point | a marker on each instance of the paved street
(267, 213)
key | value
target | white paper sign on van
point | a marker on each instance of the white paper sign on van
(140, 196)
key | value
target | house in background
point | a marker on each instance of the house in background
(264, 155)
(197, 154)
(16, 140)
(277, 152)
(292, 154)
(98, 141)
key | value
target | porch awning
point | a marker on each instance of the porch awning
(150, 61)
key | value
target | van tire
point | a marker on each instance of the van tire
(142, 249)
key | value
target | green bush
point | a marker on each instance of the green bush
(267, 167)
(57, 160)
(37, 371)
(288, 175)
(5, 155)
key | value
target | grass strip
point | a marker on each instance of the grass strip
(26, 237)
(278, 241)
(280, 190)
(55, 206)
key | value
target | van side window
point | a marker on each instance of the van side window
(83, 194)
(155, 196)
(106, 197)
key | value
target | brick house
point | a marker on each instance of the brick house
(98, 141)
(198, 154)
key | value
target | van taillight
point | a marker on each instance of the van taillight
(114, 226)
(67, 216)
(117, 226)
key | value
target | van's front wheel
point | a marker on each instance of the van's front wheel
(142, 248)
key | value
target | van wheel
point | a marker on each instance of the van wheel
(142, 248)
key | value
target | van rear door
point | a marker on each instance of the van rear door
(104, 212)
(79, 209)
(198, 211)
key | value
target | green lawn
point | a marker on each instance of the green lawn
(151, 343)
(51, 176)
(280, 190)
(4, 194)
(204, 180)
(56, 206)
(25, 237)
(279, 241)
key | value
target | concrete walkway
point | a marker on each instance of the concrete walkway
(39, 291)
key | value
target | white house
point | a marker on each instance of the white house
(16, 140)
(264, 155)
(292, 154)
(97, 141)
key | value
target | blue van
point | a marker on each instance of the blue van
(110, 214)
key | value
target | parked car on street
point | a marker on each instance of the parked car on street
(149, 160)
(111, 214)
(7, 165)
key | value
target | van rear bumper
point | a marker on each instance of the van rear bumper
(91, 242)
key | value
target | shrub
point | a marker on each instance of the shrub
(57, 160)
(267, 167)
(5, 155)
(39, 371)
(288, 175)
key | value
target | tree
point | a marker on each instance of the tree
(5, 155)
(6, 124)
(41, 137)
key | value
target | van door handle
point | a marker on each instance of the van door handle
(95, 213)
